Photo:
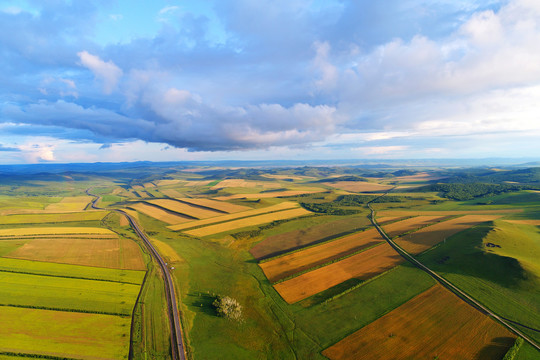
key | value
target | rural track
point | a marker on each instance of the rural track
(447, 284)
(177, 342)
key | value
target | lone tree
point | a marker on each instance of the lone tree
(228, 307)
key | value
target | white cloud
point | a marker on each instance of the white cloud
(108, 72)
(168, 9)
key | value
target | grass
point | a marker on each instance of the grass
(152, 333)
(527, 352)
(74, 271)
(63, 334)
(67, 293)
(501, 283)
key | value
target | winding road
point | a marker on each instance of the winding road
(177, 343)
(447, 284)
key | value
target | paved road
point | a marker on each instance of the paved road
(448, 284)
(177, 343)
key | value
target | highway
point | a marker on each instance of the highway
(461, 294)
(177, 343)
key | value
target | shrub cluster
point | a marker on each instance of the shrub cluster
(228, 307)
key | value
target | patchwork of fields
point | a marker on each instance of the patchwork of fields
(434, 324)
(67, 291)
(312, 284)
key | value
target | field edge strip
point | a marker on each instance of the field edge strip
(37, 307)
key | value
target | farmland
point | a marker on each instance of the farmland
(244, 214)
(246, 222)
(434, 323)
(51, 333)
(160, 214)
(185, 208)
(294, 246)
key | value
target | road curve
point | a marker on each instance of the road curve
(177, 342)
(447, 284)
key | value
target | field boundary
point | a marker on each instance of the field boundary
(67, 276)
(65, 310)
(34, 355)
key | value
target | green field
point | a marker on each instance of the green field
(63, 334)
(67, 294)
(151, 339)
(71, 271)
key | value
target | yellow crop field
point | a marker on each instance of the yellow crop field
(435, 324)
(171, 193)
(218, 205)
(281, 206)
(272, 194)
(183, 208)
(359, 186)
(400, 227)
(425, 238)
(166, 251)
(61, 334)
(250, 221)
(37, 218)
(33, 231)
(159, 214)
(109, 253)
(137, 187)
(296, 262)
(362, 266)
(149, 185)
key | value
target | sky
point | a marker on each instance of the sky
(176, 80)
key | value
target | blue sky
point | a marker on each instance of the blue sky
(86, 81)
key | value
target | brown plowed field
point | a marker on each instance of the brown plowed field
(311, 234)
(433, 325)
(184, 208)
(425, 238)
(400, 227)
(218, 205)
(361, 266)
(108, 253)
(299, 261)
(159, 214)
(250, 221)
